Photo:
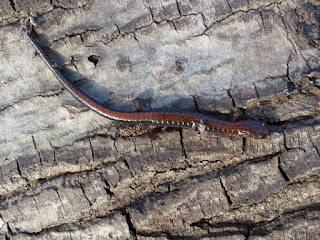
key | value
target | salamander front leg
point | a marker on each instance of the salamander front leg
(152, 132)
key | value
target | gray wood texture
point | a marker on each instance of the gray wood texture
(68, 173)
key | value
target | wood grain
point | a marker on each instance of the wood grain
(68, 173)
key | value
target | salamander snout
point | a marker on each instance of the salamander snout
(256, 129)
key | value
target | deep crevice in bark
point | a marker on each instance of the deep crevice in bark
(182, 145)
(133, 231)
(283, 173)
(91, 148)
(225, 192)
(84, 193)
(12, 5)
(107, 188)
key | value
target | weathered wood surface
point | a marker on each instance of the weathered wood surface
(68, 173)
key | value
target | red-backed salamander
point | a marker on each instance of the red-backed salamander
(202, 123)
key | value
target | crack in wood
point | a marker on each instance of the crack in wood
(247, 231)
(232, 99)
(12, 4)
(19, 170)
(178, 7)
(27, 98)
(84, 193)
(282, 172)
(108, 187)
(9, 230)
(35, 148)
(225, 192)
(184, 152)
(132, 229)
(91, 148)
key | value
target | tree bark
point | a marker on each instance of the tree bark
(69, 173)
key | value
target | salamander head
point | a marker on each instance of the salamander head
(254, 129)
(217, 128)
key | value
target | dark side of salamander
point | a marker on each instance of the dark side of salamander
(205, 125)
